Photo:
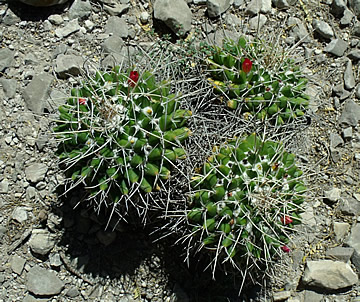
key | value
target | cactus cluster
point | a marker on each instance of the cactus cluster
(120, 134)
(257, 83)
(245, 200)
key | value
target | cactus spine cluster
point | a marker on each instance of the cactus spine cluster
(120, 133)
(245, 199)
(253, 82)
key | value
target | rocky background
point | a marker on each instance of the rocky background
(50, 251)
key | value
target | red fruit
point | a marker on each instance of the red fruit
(286, 249)
(133, 78)
(82, 101)
(246, 65)
(286, 219)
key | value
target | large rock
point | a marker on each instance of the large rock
(37, 92)
(117, 26)
(41, 241)
(328, 274)
(68, 65)
(36, 172)
(80, 9)
(43, 2)
(354, 242)
(175, 14)
(351, 114)
(217, 7)
(43, 282)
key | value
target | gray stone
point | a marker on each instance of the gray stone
(56, 19)
(9, 87)
(349, 79)
(72, 292)
(282, 295)
(265, 6)
(335, 140)
(113, 44)
(298, 31)
(43, 282)
(257, 22)
(348, 133)
(41, 241)
(17, 264)
(6, 58)
(238, 3)
(340, 253)
(357, 91)
(355, 5)
(4, 186)
(280, 3)
(338, 7)
(70, 28)
(116, 9)
(106, 238)
(30, 193)
(323, 29)
(68, 65)
(312, 296)
(347, 18)
(10, 18)
(254, 7)
(327, 274)
(350, 206)
(356, 29)
(144, 17)
(36, 172)
(332, 195)
(20, 214)
(43, 2)
(341, 230)
(351, 114)
(3, 231)
(175, 14)
(36, 93)
(354, 55)
(336, 47)
(217, 7)
(354, 242)
(55, 260)
(80, 9)
(117, 26)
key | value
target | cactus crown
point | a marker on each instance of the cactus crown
(120, 132)
(256, 83)
(245, 199)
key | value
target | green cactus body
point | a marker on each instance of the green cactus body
(121, 133)
(257, 87)
(246, 199)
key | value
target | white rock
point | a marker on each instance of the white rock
(41, 241)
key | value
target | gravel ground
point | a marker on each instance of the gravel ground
(53, 249)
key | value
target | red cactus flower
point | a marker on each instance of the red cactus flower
(82, 101)
(133, 78)
(285, 249)
(246, 65)
(286, 219)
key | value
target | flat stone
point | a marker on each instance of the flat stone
(4, 186)
(312, 296)
(215, 8)
(332, 195)
(351, 114)
(117, 26)
(73, 292)
(253, 8)
(20, 214)
(323, 29)
(41, 241)
(327, 274)
(56, 19)
(67, 65)
(80, 9)
(355, 5)
(175, 14)
(336, 47)
(350, 206)
(113, 44)
(341, 230)
(282, 295)
(6, 58)
(357, 91)
(349, 79)
(36, 93)
(43, 282)
(43, 2)
(340, 253)
(116, 8)
(298, 31)
(9, 87)
(354, 55)
(335, 140)
(354, 242)
(55, 260)
(347, 18)
(70, 28)
(144, 17)
(348, 133)
(17, 264)
(257, 24)
(338, 7)
(36, 172)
